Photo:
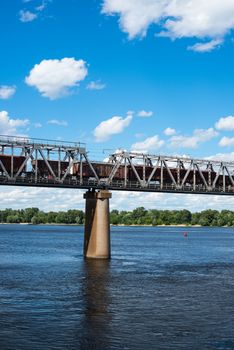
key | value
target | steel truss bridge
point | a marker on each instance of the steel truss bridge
(44, 163)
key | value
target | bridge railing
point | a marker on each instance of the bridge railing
(114, 185)
(53, 163)
(19, 141)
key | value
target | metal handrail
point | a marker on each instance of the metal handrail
(116, 184)
(24, 140)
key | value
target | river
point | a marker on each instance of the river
(160, 290)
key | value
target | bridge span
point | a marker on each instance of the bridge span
(33, 162)
(61, 164)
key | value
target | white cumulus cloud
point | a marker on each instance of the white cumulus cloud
(54, 78)
(206, 46)
(201, 19)
(149, 144)
(27, 16)
(225, 123)
(145, 114)
(198, 137)
(46, 198)
(11, 127)
(226, 142)
(169, 131)
(225, 157)
(96, 85)
(112, 126)
(7, 91)
(58, 122)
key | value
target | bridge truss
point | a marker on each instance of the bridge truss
(43, 163)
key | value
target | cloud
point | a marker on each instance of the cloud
(225, 157)
(144, 114)
(27, 16)
(175, 19)
(206, 46)
(199, 136)
(44, 4)
(57, 122)
(7, 91)
(226, 142)
(55, 78)
(112, 126)
(11, 127)
(96, 85)
(169, 131)
(225, 123)
(40, 7)
(163, 201)
(45, 199)
(136, 15)
(37, 125)
(149, 144)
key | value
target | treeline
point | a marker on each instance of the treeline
(35, 216)
(139, 216)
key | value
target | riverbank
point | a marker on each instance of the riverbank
(137, 217)
(112, 225)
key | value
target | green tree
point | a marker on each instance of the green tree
(13, 219)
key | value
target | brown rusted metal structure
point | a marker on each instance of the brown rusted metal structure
(43, 163)
(33, 162)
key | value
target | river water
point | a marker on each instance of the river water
(161, 290)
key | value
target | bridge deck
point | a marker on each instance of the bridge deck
(31, 162)
(114, 186)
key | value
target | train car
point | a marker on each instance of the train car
(103, 170)
(17, 163)
(43, 169)
(174, 172)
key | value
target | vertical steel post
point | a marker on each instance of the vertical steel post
(178, 174)
(144, 161)
(12, 161)
(224, 179)
(125, 172)
(36, 165)
(194, 178)
(209, 177)
(81, 170)
(161, 175)
(59, 163)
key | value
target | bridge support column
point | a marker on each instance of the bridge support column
(97, 225)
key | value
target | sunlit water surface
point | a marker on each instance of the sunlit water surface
(161, 290)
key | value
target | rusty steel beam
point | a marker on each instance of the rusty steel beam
(32, 162)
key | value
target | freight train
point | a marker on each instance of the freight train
(103, 171)
(18, 161)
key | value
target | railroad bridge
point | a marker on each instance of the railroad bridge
(45, 163)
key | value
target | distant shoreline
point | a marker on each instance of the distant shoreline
(138, 217)
(112, 225)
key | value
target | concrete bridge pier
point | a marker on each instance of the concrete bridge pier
(97, 225)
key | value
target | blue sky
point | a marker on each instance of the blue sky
(119, 73)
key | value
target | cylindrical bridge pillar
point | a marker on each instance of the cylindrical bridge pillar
(97, 225)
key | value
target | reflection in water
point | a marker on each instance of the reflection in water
(96, 318)
(159, 291)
